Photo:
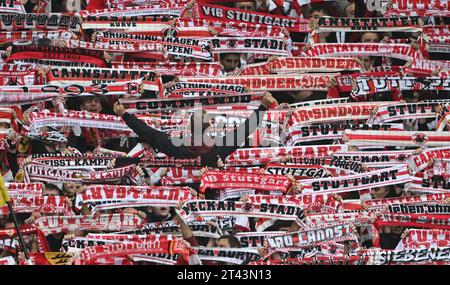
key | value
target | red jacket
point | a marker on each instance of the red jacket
(96, 5)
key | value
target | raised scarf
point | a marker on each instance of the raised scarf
(104, 222)
(388, 176)
(399, 51)
(238, 180)
(316, 81)
(400, 138)
(221, 13)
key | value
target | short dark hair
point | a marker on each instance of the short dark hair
(58, 6)
(278, 225)
(233, 241)
(317, 8)
(223, 55)
(408, 94)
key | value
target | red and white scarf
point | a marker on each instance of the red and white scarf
(76, 244)
(221, 13)
(171, 46)
(17, 98)
(175, 68)
(257, 156)
(366, 85)
(317, 203)
(106, 197)
(35, 187)
(172, 246)
(74, 75)
(418, 238)
(239, 180)
(420, 161)
(199, 228)
(37, 53)
(42, 204)
(344, 83)
(399, 51)
(419, 8)
(193, 89)
(264, 210)
(316, 81)
(380, 204)
(310, 64)
(120, 47)
(145, 105)
(403, 24)
(20, 74)
(170, 162)
(329, 101)
(444, 121)
(318, 260)
(411, 256)
(311, 237)
(152, 228)
(104, 222)
(181, 175)
(299, 171)
(255, 239)
(432, 221)
(401, 138)
(228, 255)
(9, 260)
(326, 113)
(132, 3)
(327, 131)
(24, 190)
(73, 90)
(26, 231)
(161, 258)
(31, 21)
(422, 183)
(357, 218)
(372, 158)
(145, 10)
(403, 111)
(73, 161)
(425, 209)
(38, 172)
(439, 45)
(21, 37)
(76, 119)
(153, 24)
(389, 176)
(244, 29)
(100, 122)
(270, 46)
(428, 66)
(12, 6)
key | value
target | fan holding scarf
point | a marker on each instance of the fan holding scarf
(207, 149)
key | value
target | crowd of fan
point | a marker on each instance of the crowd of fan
(21, 148)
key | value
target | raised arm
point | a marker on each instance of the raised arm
(234, 139)
(156, 139)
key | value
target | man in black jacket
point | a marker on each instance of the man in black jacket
(221, 147)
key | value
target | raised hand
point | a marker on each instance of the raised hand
(119, 109)
(268, 100)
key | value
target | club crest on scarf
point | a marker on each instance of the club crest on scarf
(232, 43)
(170, 32)
(420, 139)
(248, 207)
